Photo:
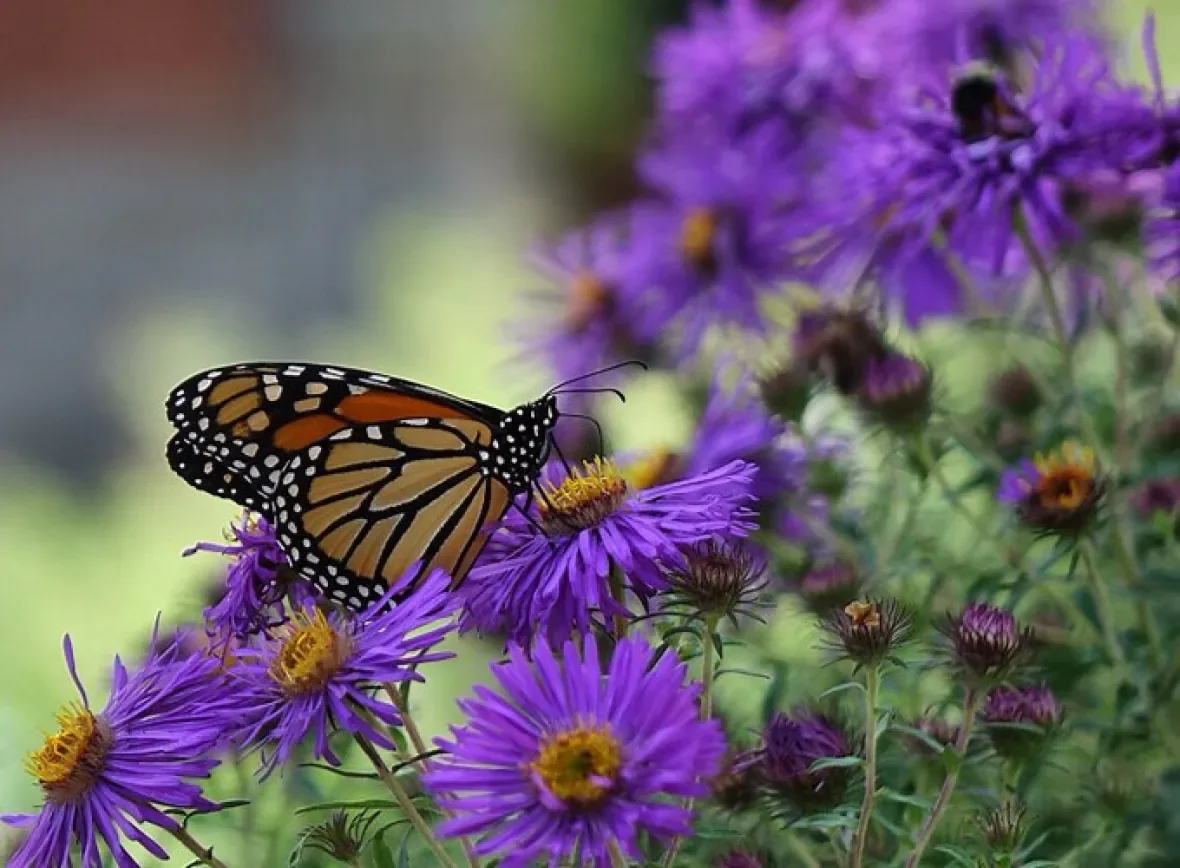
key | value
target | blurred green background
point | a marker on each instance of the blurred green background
(197, 182)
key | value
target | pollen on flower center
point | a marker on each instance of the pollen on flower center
(311, 653)
(863, 614)
(1066, 477)
(583, 499)
(655, 467)
(697, 234)
(71, 759)
(580, 764)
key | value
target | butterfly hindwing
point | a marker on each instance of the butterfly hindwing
(207, 473)
(354, 512)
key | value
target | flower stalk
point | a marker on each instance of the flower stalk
(405, 802)
(1102, 604)
(872, 685)
(204, 854)
(926, 833)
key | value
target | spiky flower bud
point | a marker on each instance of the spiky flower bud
(868, 631)
(716, 580)
(792, 744)
(1016, 392)
(1156, 496)
(831, 586)
(986, 643)
(341, 836)
(895, 391)
(1003, 827)
(1151, 359)
(1018, 719)
(937, 729)
(1164, 435)
(837, 344)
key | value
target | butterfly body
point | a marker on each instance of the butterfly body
(361, 474)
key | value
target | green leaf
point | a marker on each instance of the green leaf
(951, 759)
(835, 762)
(382, 855)
(889, 795)
(747, 672)
(960, 856)
(839, 688)
(924, 737)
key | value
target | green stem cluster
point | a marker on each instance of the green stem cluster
(942, 801)
(872, 685)
(204, 854)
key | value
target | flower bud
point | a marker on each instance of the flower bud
(1018, 719)
(792, 744)
(831, 586)
(837, 344)
(716, 580)
(986, 642)
(1016, 392)
(868, 631)
(787, 392)
(1003, 827)
(895, 391)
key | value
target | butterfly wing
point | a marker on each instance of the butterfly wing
(355, 511)
(208, 474)
(249, 419)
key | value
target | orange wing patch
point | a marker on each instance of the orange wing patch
(302, 433)
(374, 406)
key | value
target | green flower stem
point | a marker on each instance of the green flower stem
(204, 854)
(404, 802)
(1102, 604)
(872, 684)
(970, 704)
(799, 847)
(419, 744)
(708, 664)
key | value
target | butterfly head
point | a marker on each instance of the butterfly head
(521, 443)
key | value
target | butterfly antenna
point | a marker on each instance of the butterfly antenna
(597, 428)
(568, 470)
(615, 367)
(598, 391)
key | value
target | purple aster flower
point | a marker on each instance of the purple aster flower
(1019, 718)
(986, 642)
(1162, 231)
(718, 241)
(258, 586)
(792, 744)
(573, 756)
(942, 34)
(104, 773)
(1058, 492)
(740, 65)
(317, 673)
(956, 163)
(551, 575)
(595, 317)
(830, 586)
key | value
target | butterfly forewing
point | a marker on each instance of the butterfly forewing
(356, 511)
(207, 473)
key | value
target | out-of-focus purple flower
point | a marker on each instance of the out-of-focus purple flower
(1162, 230)
(593, 317)
(550, 576)
(837, 344)
(1058, 492)
(938, 35)
(259, 589)
(792, 743)
(574, 756)
(104, 773)
(741, 859)
(1157, 495)
(717, 242)
(896, 391)
(986, 642)
(740, 65)
(1015, 714)
(951, 168)
(830, 586)
(317, 673)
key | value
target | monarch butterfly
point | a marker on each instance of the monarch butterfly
(361, 474)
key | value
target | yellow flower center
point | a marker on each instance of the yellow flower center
(583, 499)
(863, 613)
(588, 297)
(651, 469)
(1065, 477)
(697, 234)
(71, 759)
(311, 653)
(579, 765)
